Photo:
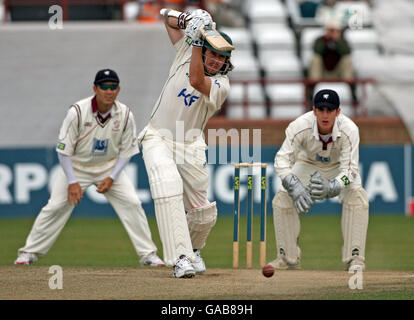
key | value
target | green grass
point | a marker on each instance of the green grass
(104, 243)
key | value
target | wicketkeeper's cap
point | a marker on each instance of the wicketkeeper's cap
(228, 39)
(106, 75)
(326, 98)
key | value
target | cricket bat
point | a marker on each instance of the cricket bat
(213, 37)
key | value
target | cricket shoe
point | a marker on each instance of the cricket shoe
(355, 264)
(280, 264)
(199, 265)
(151, 260)
(26, 258)
(184, 268)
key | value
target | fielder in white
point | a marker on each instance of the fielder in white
(96, 141)
(173, 143)
(318, 160)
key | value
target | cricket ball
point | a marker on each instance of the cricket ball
(268, 271)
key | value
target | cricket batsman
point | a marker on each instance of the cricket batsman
(173, 144)
(319, 160)
(96, 141)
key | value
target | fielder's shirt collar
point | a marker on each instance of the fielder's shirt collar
(336, 132)
(94, 105)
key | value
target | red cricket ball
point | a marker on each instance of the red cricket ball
(268, 271)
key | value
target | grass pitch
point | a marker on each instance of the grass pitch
(99, 262)
(103, 242)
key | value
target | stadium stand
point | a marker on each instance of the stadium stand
(241, 37)
(45, 71)
(265, 11)
(283, 39)
(273, 51)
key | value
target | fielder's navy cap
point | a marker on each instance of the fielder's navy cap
(106, 75)
(326, 98)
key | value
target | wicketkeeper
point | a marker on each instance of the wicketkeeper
(319, 160)
(173, 144)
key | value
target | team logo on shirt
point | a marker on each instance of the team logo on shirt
(116, 125)
(323, 159)
(217, 83)
(100, 147)
(188, 98)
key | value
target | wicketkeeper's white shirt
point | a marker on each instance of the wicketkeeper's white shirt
(95, 145)
(303, 144)
(179, 104)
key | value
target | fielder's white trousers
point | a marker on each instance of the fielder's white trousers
(123, 198)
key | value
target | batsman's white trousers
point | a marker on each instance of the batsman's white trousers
(123, 198)
(178, 179)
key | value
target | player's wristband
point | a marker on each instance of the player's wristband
(182, 20)
(182, 17)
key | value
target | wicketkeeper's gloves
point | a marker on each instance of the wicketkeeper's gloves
(300, 195)
(321, 188)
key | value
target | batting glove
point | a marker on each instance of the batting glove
(193, 31)
(202, 14)
(321, 188)
(300, 195)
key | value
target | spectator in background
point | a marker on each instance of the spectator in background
(331, 57)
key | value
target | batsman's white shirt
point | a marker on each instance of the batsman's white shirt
(303, 148)
(179, 104)
(95, 146)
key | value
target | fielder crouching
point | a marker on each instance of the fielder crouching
(96, 141)
(318, 160)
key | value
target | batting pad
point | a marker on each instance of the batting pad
(173, 229)
(200, 222)
(355, 212)
(287, 227)
(164, 180)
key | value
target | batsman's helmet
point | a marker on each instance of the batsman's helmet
(228, 39)
(228, 66)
